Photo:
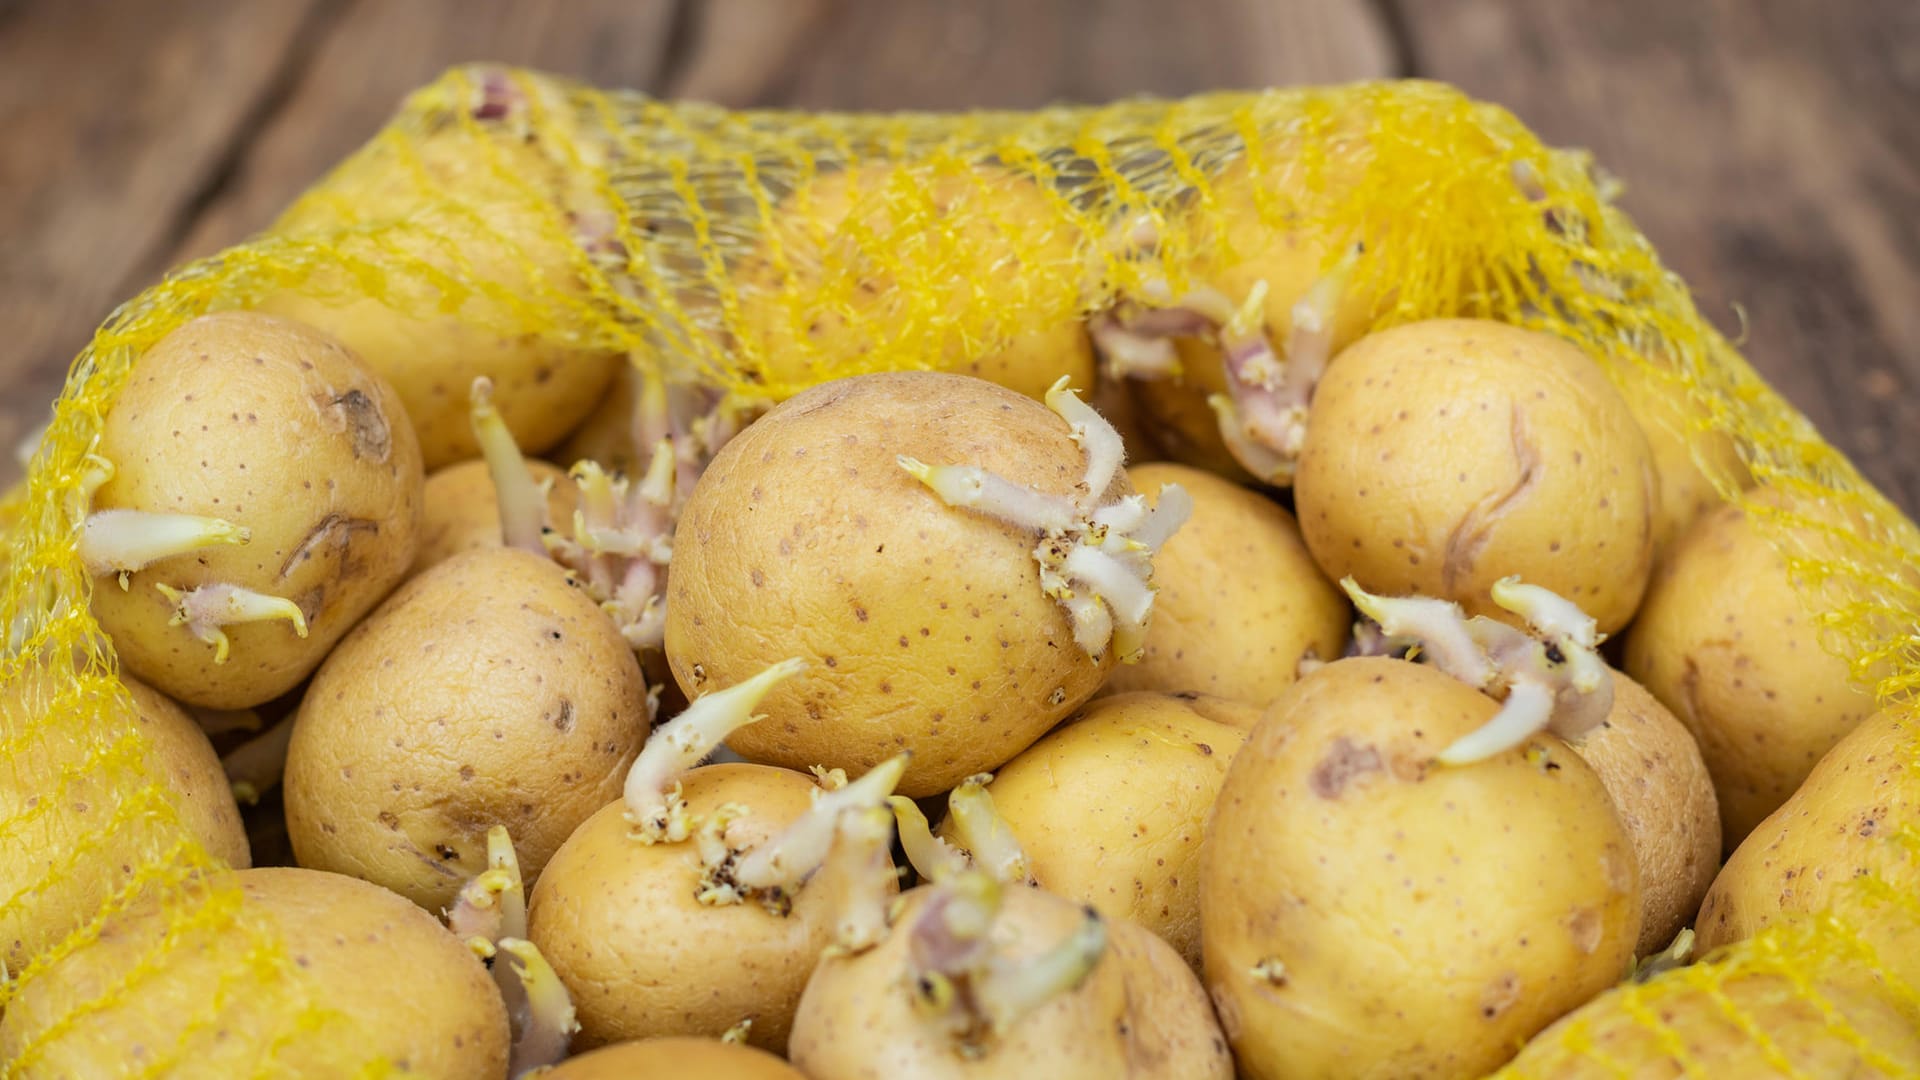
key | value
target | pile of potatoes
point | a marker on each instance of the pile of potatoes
(931, 724)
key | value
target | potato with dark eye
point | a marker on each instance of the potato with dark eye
(257, 491)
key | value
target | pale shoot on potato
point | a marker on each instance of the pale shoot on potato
(122, 541)
(490, 916)
(653, 807)
(254, 767)
(1547, 678)
(207, 610)
(772, 871)
(544, 1025)
(860, 875)
(985, 836)
(931, 857)
(523, 506)
(1095, 559)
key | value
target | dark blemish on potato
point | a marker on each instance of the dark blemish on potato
(445, 852)
(366, 426)
(1471, 533)
(336, 529)
(1205, 750)
(1344, 761)
(1500, 996)
(859, 612)
(758, 577)
(563, 717)
(387, 818)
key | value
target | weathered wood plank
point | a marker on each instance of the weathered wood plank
(116, 118)
(1771, 150)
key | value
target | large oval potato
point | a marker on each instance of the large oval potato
(1725, 641)
(490, 690)
(1238, 602)
(1365, 911)
(282, 430)
(924, 626)
(1442, 456)
(385, 989)
(1110, 807)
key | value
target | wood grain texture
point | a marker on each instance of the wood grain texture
(1771, 151)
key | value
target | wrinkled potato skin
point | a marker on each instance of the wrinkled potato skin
(1686, 490)
(543, 386)
(1664, 797)
(1034, 285)
(1238, 601)
(707, 1059)
(279, 428)
(924, 626)
(1724, 642)
(1843, 823)
(1426, 919)
(490, 690)
(391, 985)
(1110, 808)
(1614, 1041)
(1140, 1014)
(618, 921)
(1442, 456)
(175, 750)
(463, 510)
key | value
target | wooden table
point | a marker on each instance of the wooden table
(1771, 148)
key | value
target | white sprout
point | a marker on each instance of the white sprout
(657, 813)
(205, 611)
(123, 541)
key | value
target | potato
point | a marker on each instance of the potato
(384, 983)
(925, 625)
(1365, 911)
(708, 1059)
(1683, 452)
(1138, 1012)
(71, 838)
(276, 429)
(1110, 806)
(489, 690)
(1442, 456)
(643, 958)
(1746, 1024)
(1664, 797)
(1725, 641)
(1239, 602)
(988, 239)
(502, 288)
(463, 512)
(1844, 823)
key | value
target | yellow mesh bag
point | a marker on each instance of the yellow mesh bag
(762, 252)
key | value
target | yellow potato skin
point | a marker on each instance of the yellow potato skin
(708, 1059)
(1679, 452)
(924, 626)
(1032, 285)
(61, 805)
(462, 509)
(387, 982)
(1110, 808)
(1724, 641)
(279, 428)
(642, 958)
(543, 386)
(490, 690)
(1843, 823)
(1664, 797)
(1139, 1014)
(1238, 601)
(1864, 1036)
(1411, 919)
(1442, 456)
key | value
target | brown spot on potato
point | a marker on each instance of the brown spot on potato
(563, 716)
(366, 425)
(1585, 927)
(335, 529)
(1471, 533)
(1500, 996)
(1343, 762)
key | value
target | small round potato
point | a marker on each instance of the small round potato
(1442, 456)
(71, 845)
(1847, 1026)
(490, 690)
(619, 922)
(1726, 643)
(1110, 807)
(707, 1059)
(1366, 911)
(996, 246)
(1664, 797)
(1239, 602)
(463, 511)
(546, 382)
(390, 990)
(279, 429)
(1843, 824)
(924, 626)
(1140, 1013)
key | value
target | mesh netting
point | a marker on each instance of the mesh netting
(763, 252)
